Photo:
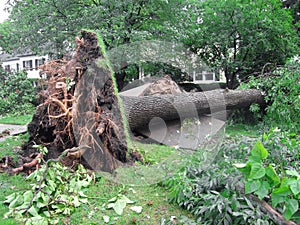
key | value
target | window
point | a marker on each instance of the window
(27, 65)
(204, 76)
(18, 67)
(208, 75)
(39, 62)
(7, 68)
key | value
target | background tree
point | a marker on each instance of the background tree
(294, 6)
(40, 24)
(50, 26)
(240, 37)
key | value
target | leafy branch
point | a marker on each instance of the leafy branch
(264, 181)
(55, 190)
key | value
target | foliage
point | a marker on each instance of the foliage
(236, 36)
(284, 148)
(210, 193)
(55, 191)
(239, 36)
(119, 22)
(17, 93)
(281, 92)
(263, 180)
(152, 198)
(118, 203)
(182, 220)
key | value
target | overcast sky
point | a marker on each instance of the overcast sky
(3, 14)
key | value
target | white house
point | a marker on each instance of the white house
(28, 62)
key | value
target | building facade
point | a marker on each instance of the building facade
(27, 62)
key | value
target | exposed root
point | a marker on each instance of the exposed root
(34, 163)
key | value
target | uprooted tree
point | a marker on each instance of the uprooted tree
(81, 109)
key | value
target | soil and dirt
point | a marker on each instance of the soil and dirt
(76, 89)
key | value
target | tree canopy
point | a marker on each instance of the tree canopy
(240, 37)
(51, 25)
(236, 36)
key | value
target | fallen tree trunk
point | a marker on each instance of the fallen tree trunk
(141, 110)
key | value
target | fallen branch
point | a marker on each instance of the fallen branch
(275, 216)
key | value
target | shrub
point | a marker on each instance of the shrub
(17, 93)
(264, 180)
(210, 192)
(281, 88)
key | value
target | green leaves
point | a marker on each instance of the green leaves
(291, 206)
(281, 91)
(257, 171)
(295, 187)
(259, 151)
(260, 188)
(250, 37)
(119, 203)
(16, 93)
(56, 190)
(251, 186)
(280, 195)
(262, 180)
(272, 176)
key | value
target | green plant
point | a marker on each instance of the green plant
(70, 83)
(285, 148)
(118, 203)
(263, 180)
(55, 190)
(209, 191)
(17, 93)
(281, 92)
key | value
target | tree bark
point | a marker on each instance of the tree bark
(141, 110)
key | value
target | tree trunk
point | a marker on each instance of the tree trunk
(141, 110)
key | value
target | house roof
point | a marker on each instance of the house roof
(5, 57)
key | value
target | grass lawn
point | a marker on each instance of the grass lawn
(16, 119)
(152, 198)
(242, 129)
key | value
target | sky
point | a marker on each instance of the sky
(3, 14)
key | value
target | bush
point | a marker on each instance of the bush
(17, 93)
(281, 88)
(210, 192)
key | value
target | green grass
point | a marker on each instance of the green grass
(8, 185)
(153, 152)
(16, 119)
(153, 198)
(243, 129)
(12, 145)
